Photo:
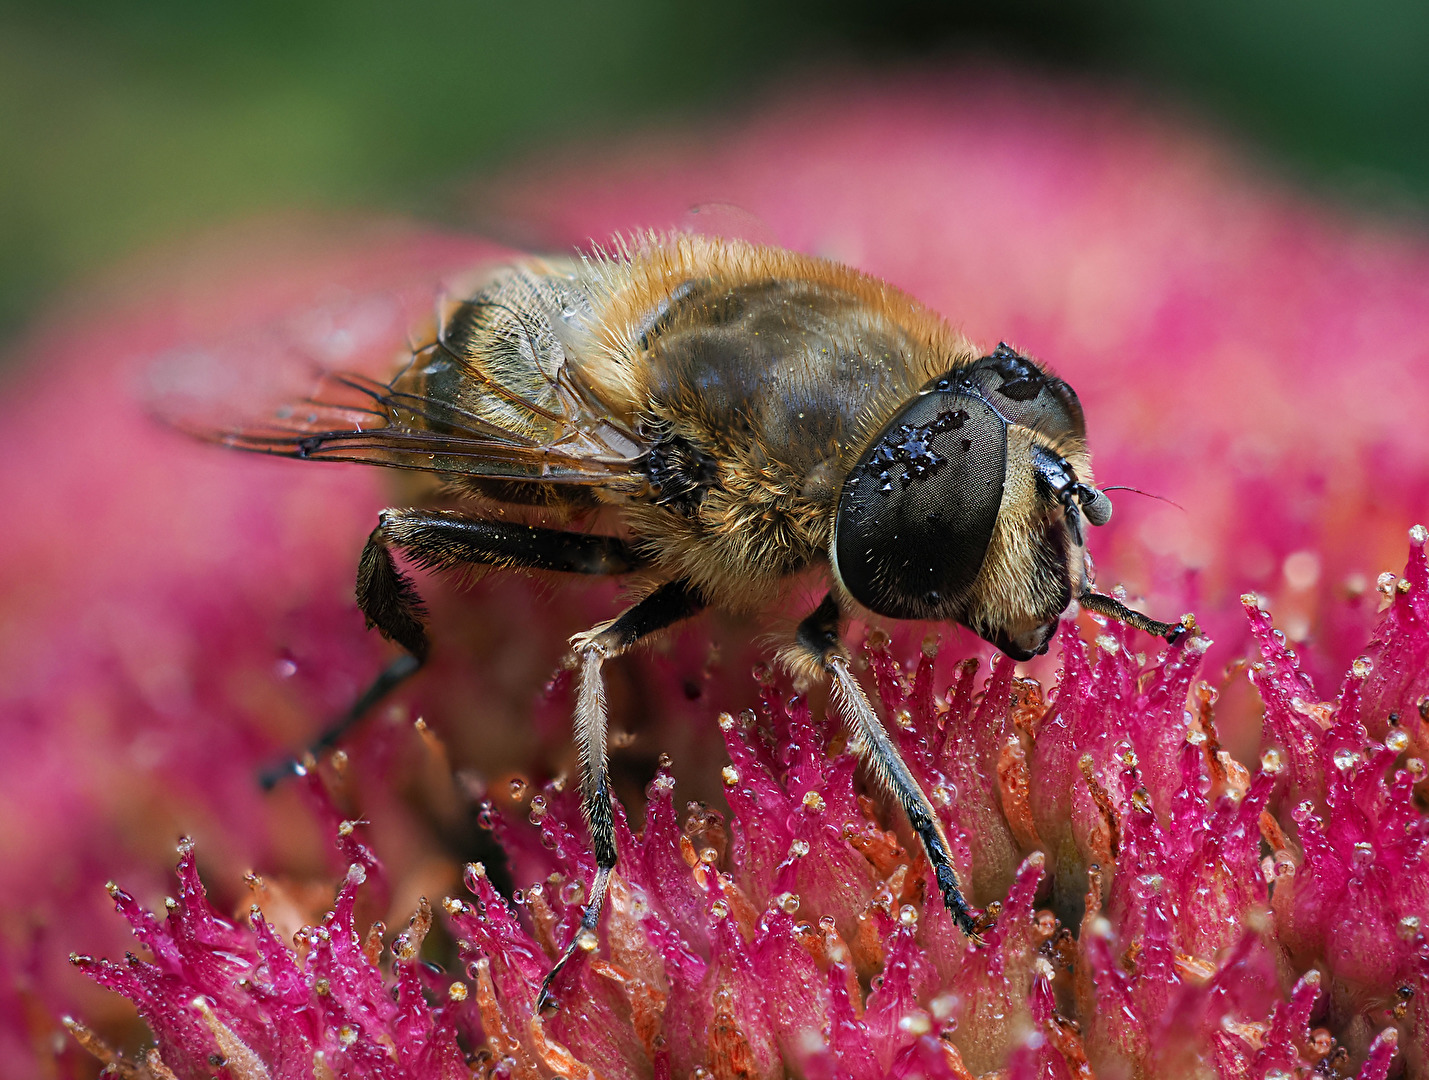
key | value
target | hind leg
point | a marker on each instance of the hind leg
(436, 540)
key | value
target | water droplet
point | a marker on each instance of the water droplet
(1362, 666)
(1301, 570)
(1418, 534)
(1397, 740)
(572, 893)
(799, 848)
(731, 775)
(285, 669)
(518, 789)
(908, 915)
(1408, 927)
(1346, 759)
(1272, 761)
(719, 909)
(813, 802)
(1385, 582)
(1364, 855)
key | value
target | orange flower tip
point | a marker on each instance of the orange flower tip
(112, 889)
(726, 721)
(915, 1023)
(452, 906)
(457, 991)
(1418, 534)
(476, 870)
(731, 775)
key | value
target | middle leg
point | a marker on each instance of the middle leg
(664, 607)
(819, 639)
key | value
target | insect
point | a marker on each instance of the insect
(738, 415)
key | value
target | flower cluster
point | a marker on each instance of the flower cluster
(1154, 909)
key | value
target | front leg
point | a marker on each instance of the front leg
(664, 607)
(819, 639)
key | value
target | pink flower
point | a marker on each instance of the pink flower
(797, 934)
(173, 618)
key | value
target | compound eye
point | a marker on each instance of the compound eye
(917, 512)
(1023, 393)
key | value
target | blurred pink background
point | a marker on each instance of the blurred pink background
(172, 616)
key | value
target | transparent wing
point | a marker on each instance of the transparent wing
(320, 387)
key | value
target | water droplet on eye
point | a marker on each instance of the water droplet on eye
(1346, 759)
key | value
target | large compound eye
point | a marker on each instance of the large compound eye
(917, 511)
(1022, 392)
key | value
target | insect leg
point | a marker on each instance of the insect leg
(435, 540)
(819, 635)
(665, 606)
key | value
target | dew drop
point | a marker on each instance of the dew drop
(1397, 740)
(1362, 666)
(1346, 759)
(799, 848)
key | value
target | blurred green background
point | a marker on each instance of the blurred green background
(126, 124)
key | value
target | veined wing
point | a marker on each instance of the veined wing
(493, 394)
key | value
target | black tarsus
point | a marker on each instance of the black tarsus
(1113, 608)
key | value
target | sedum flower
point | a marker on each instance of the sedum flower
(1133, 925)
(173, 618)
